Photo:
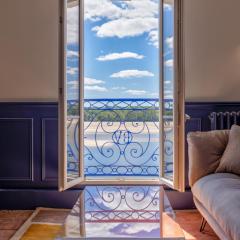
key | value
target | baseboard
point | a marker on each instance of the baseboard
(21, 199)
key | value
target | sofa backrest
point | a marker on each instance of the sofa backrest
(205, 150)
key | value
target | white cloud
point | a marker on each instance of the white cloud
(168, 94)
(73, 84)
(92, 81)
(132, 74)
(137, 228)
(95, 88)
(168, 82)
(72, 70)
(118, 88)
(128, 19)
(72, 25)
(153, 38)
(90, 84)
(136, 92)
(125, 27)
(168, 6)
(169, 42)
(154, 94)
(102, 229)
(143, 9)
(96, 10)
(169, 63)
(116, 56)
(72, 53)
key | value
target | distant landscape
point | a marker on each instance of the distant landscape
(128, 115)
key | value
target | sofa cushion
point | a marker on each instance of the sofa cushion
(219, 193)
(205, 150)
(230, 161)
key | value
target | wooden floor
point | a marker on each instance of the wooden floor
(189, 221)
(10, 221)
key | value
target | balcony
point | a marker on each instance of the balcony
(121, 138)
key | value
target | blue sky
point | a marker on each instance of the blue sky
(121, 49)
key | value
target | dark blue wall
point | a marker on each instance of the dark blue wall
(28, 145)
(29, 149)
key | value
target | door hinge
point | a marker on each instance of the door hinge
(60, 19)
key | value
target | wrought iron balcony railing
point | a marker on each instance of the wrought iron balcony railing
(121, 137)
(138, 204)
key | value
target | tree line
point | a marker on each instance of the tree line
(141, 115)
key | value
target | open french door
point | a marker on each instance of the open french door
(70, 115)
(164, 157)
(172, 111)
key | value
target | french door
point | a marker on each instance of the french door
(125, 124)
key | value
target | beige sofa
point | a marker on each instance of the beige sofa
(216, 195)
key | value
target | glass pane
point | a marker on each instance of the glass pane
(72, 52)
(168, 87)
(122, 212)
(121, 67)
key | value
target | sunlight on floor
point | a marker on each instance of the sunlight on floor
(190, 222)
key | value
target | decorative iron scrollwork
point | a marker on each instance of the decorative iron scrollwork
(124, 204)
(121, 137)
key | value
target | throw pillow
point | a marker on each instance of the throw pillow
(230, 161)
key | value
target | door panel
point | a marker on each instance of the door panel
(172, 112)
(69, 112)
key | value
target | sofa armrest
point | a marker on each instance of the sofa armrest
(205, 150)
